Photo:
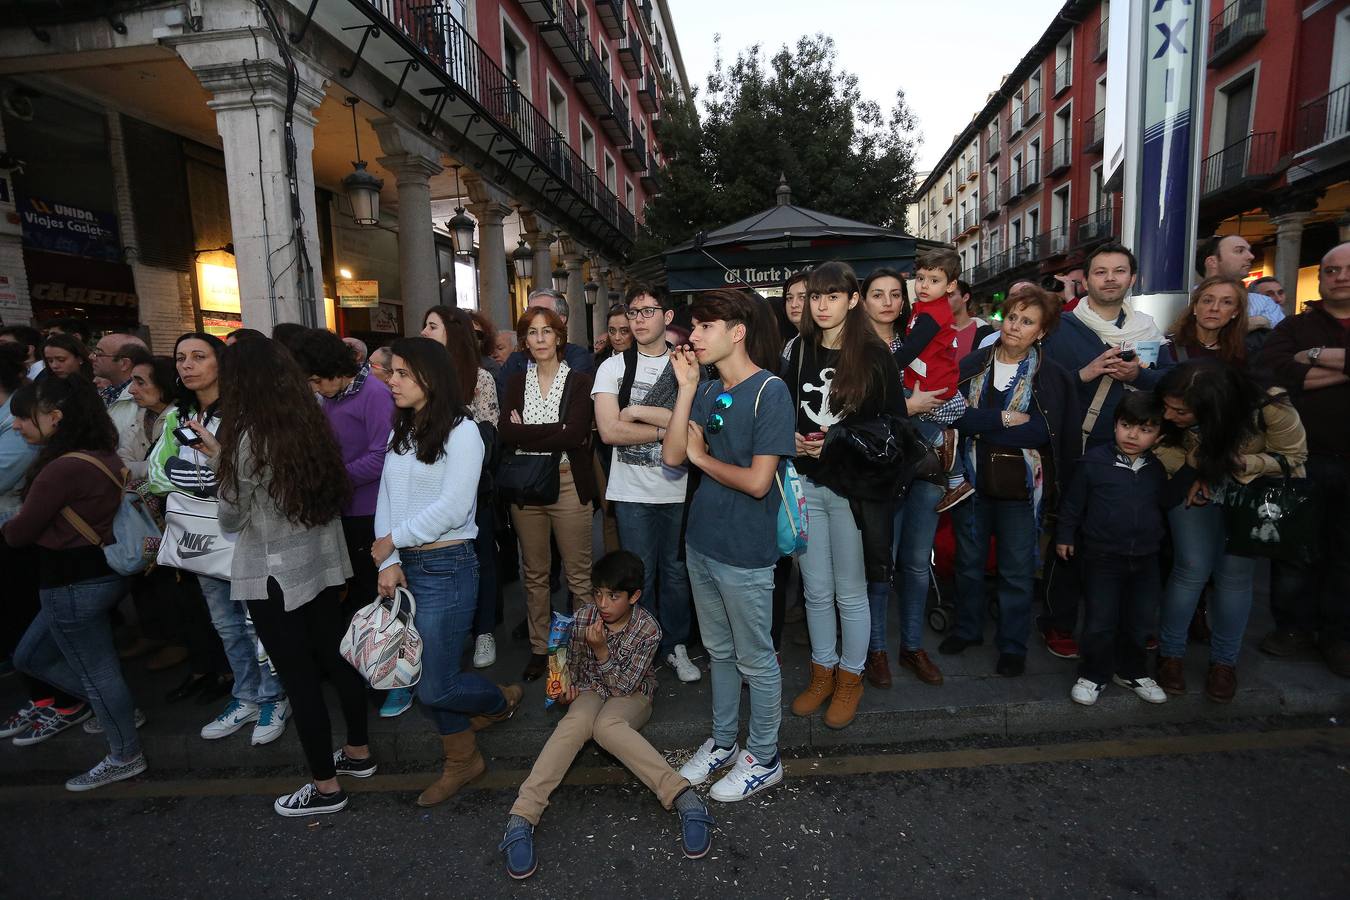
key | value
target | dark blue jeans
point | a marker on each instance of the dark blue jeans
(1314, 597)
(652, 531)
(1122, 597)
(1014, 527)
(444, 584)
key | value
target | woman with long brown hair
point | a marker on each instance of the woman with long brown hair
(453, 330)
(282, 486)
(839, 369)
(1214, 323)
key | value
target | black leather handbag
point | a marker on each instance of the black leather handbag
(528, 479)
(1000, 472)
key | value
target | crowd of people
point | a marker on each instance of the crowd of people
(1072, 447)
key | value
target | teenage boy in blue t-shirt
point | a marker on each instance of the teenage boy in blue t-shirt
(735, 429)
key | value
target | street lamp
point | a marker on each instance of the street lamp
(460, 226)
(592, 292)
(523, 260)
(363, 188)
(560, 280)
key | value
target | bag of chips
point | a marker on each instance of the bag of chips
(559, 637)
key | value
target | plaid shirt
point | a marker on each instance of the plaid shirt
(628, 670)
(357, 383)
(110, 394)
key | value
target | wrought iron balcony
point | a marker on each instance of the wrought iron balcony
(1240, 166)
(947, 192)
(1054, 242)
(1323, 121)
(1012, 188)
(610, 14)
(990, 202)
(1031, 108)
(635, 154)
(1093, 228)
(1102, 40)
(615, 121)
(1031, 175)
(1061, 156)
(993, 142)
(1063, 75)
(1094, 132)
(1240, 24)
(630, 53)
(649, 92)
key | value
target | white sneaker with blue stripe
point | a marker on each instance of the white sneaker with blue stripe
(747, 778)
(272, 719)
(706, 760)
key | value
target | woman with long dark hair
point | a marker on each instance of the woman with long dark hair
(257, 694)
(425, 520)
(453, 329)
(838, 370)
(68, 510)
(1214, 323)
(1220, 427)
(282, 488)
(67, 355)
(548, 411)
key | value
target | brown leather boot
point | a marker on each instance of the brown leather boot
(848, 689)
(463, 763)
(917, 661)
(1221, 683)
(513, 694)
(816, 693)
(1171, 676)
(878, 669)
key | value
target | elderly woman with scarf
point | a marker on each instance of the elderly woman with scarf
(1019, 438)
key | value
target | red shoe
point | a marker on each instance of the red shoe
(1061, 644)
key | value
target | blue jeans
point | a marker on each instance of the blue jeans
(253, 681)
(1198, 539)
(916, 521)
(652, 531)
(1013, 525)
(832, 574)
(735, 617)
(444, 584)
(70, 645)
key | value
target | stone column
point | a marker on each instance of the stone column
(277, 258)
(413, 160)
(543, 258)
(494, 287)
(1288, 245)
(576, 301)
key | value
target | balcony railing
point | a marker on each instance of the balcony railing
(461, 62)
(616, 122)
(970, 220)
(960, 175)
(990, 202)
(1102, 40)
(610, 14)
(630, 53)
(1063, 75)
(1021, 253)
(1031, 175)
(1061, 156)
(993, 141)
(1094, 132)
(1031, 108)
(1054, 242)
(1012, 188)
(648, 92)
(1323, 120)
(947, 192)
(1241, 164)
(1240, 24)
(1093, 228)
(635, 154)
(972, 169)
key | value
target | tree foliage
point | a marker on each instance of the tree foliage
(799, 116)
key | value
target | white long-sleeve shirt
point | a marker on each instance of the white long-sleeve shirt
(426, 504)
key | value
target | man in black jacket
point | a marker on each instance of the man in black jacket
(1307, 354)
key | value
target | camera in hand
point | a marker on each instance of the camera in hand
(186, 436)
(1127, 356)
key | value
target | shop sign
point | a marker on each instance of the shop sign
(78, 282)
(219, 325)
(384, 319)
(9, 294)
(218, 287)
(358, 294)
(64, 228)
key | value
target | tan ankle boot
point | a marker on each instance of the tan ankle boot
(848, 690)
(513, 694)
(463, 763)
(816, 693)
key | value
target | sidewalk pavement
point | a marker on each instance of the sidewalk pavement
(972, 702)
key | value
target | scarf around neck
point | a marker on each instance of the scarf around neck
(1137, 326)
(1018, 395)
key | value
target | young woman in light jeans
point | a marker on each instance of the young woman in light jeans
(425, 527)
(838, 369)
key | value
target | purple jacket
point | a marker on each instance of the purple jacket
(362, 421)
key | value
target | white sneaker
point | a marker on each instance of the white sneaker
(706, 760)
(1086, 691)
(272, 719)
(684, 669)
(236, 716)
(746, 779)
(484, 651)
(1146, 688)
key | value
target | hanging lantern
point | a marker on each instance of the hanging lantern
(523, 260)
(460, 226)
(592, 292)
(560, 280)
(363, 188)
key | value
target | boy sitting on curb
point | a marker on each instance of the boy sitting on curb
(610, 658)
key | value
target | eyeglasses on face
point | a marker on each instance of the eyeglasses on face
(645, 312)
(716, 422)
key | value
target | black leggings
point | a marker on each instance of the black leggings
(303, 645)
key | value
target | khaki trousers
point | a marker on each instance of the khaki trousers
(567, 521)
(614, 725)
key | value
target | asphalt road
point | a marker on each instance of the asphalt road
(1234, 814)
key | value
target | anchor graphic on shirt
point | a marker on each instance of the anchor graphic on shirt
(820, 415)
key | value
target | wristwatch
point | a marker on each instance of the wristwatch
(1314, 354)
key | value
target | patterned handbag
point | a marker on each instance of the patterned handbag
(383, 644)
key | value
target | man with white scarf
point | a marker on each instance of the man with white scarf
(1089, 341)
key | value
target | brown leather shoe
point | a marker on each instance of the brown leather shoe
(878, 669)
(848, 690)
(917, 661)
(1221, 683)
(463, 763)
(947, 452)
(816, 693)
(513, 694)
(1171, 675)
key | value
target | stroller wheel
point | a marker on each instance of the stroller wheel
(939, 619)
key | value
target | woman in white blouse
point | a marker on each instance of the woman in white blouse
(547, 410)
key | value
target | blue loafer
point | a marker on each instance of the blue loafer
(517, 847)
(696, 829)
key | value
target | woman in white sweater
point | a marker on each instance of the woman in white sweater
(425, 528)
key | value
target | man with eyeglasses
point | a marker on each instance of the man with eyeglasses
(634, 395)
(1309, 354)
(114, 356)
